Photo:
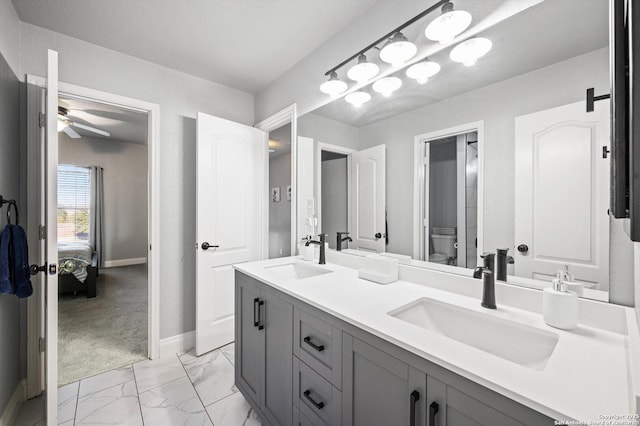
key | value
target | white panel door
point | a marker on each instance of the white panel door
(368, 202)
(50, 171)
(231, 194)
(307, 218)
(562, 193)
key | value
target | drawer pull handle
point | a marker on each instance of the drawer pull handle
(413, 398)
(433, 410)
(256, 316)
(318, 405)
(260, 315)
(318, 348)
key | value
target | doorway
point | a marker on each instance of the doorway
(36, 306)
(102, 237)
(334, 195)
(447, 196)
(280, 189)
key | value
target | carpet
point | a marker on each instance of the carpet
(106, 332)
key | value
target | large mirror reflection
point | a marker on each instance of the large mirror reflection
(498, 155)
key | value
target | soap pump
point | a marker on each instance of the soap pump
(559, 304)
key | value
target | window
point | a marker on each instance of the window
(74, 199)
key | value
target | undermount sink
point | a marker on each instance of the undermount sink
(528, 346)
(297, 270)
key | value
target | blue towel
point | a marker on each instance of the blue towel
(5, 274)
(19, 262)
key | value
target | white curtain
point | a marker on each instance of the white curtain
(96, 233)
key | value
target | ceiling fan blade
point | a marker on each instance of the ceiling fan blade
(91, 129)
(71, 133)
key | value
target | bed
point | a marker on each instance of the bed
(78, 268)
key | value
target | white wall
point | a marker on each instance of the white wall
(180, 97)
(280, 213)
(10, 35)
(125, 190)
(11, 339)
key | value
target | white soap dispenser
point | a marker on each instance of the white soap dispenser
(559, 305)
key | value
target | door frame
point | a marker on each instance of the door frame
(323, 146)
(285, 116)
(419, 183)
(153, 220)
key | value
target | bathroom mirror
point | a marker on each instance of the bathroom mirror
(501, 154)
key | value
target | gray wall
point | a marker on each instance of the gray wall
(280, 213)
(180, 97)
(498, 105)
(443, 185)
(11, 339)
(125, 190)
(322, 129)
(334, 198)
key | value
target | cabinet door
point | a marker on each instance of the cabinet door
(277, 398)
(249, 338)
(379, 389)
(459, 408)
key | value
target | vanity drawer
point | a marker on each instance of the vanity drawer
(319, 345)
(318, 400)
(300, 419)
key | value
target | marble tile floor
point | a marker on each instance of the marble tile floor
(176, 390)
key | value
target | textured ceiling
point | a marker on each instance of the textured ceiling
(244, 44)
(544, 34)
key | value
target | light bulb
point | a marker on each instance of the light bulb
(357, 98)
(398, 50)
(422, 71)
(448, 25)
(363, 70)
(386, 86)
(334, 87)
(469, 51)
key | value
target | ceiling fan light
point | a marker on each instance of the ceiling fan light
(363, 70)
(447, 26)
(469, 51)
(398, 50)
(62, 124)
(357, 98)
(386, 86)
(334, 86)
(422, 71)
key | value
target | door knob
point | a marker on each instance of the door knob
(34, 269)
(523, 248)
(378, 236)
(206, 246)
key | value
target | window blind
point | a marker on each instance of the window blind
(74, 202)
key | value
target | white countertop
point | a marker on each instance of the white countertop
(588, 374)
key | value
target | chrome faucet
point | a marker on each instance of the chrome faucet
(488, 282)
(321, 244)
(340, 240)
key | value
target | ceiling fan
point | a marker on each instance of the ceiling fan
(66, 125)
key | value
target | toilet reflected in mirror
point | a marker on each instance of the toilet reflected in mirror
(450, 203)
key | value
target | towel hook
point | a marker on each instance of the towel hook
(13, 203)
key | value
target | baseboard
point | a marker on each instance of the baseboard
(177, 344)
(124, 262)
(10, 412)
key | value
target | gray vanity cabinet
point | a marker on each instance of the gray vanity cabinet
(264, 352)
(379, 389)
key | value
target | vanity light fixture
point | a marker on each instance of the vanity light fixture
(398, 50)
(448, 25)
(387, 85)
(363, 70)
(357, 98)
(469, 51)
(422, 71)
(334, 87)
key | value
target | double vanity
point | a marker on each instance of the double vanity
(317, 345)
